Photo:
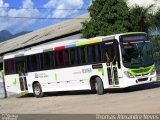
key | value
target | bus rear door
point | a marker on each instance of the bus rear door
(21, 70)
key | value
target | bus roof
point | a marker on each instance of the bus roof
(59, 45)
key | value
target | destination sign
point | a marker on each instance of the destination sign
(134, 38)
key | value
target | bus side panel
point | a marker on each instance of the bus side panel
(64, 79)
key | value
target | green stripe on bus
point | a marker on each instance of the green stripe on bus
(101, 70)
(88, 42)
(14, 81)
(130, 33)
(55, 76)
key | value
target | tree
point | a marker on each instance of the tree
(156, 46)
(145, 20)
(140, 18)
(155, 28)
(156, 18)
(107, 17)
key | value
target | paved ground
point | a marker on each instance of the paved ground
(141, 99)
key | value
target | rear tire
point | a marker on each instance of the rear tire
(37, 90)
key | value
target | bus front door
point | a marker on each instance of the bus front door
(21, 70)
(111, 58)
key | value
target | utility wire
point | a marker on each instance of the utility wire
(44, 8)
(42, 17)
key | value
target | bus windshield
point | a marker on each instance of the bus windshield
(136, 51)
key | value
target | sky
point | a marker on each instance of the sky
(15, 25)
(14, 8)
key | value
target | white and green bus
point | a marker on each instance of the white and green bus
(116, 61)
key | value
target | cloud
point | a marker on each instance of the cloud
(17, 25)
(3, 11)
(61, 6)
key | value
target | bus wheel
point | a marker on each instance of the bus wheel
(37, 90)
(99, 86)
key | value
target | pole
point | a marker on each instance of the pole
(5, 91)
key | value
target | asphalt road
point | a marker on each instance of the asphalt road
(140, 99)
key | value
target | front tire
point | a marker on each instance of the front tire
(37, 90)
(97, 86)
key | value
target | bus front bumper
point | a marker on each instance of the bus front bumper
(127, 82)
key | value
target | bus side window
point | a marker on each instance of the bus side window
(28, 64)
(66, 58)
(83, 54)
(97, 52)
(47, 60)
(91, 54)
(59, 58)
(52, 55)
(73, 56)
(34, 62)
(41, 61)
(9, 66)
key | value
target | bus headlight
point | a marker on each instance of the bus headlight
(128, 74)
(153, 71)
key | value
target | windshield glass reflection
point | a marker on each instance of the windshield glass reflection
(137, 53)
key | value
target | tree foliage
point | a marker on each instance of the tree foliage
(114, 16)
(145, 19)
(107, 17)
(156, 46)
(156, 19)
(140, 18)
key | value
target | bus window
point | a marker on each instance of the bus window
(112, 54)
(66, 58)
(91, 54)
(34, 62)
(97, 52)
(59, 59)
(9, 66)
(83, 54)
(46, 60)
(41, 61)
(28, 64)
(73, 56)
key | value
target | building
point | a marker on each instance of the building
(67, 30)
